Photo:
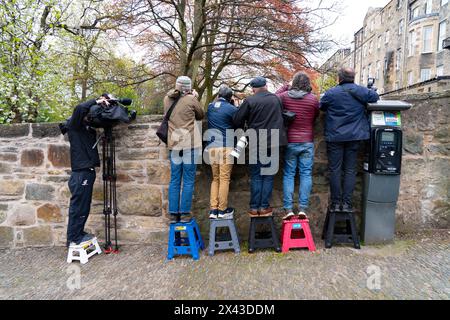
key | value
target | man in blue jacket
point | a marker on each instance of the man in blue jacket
(346, 126)
(220, 120)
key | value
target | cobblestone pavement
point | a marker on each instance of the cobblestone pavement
(411, 268)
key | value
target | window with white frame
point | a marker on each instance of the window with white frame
(412, 43)
(378, 72)
(380, 39)
(440, 70)
(387, 37)
(442, 34)
(427, 34)
(410, 78)
(398, 60)
(428, 6)
(414, 13)
(425, 74)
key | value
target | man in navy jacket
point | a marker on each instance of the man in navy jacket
(346, 125)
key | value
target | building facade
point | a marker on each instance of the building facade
(401, 45)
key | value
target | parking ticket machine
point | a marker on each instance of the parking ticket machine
(382, 169)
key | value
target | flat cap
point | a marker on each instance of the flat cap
(258, 82)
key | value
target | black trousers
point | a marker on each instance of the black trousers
(81, 186)
(342, 158)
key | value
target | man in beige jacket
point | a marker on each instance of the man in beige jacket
(185, 145)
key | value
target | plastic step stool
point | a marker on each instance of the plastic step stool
(296, 234)
(271, 241)
(83, 252)
(215, 245)
(331, 234)
(190, 244)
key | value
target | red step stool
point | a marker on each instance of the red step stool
(296, 234)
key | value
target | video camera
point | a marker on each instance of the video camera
(108, 115)
(105, 115)
(371, 84)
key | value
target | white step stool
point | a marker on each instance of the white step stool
(83, 252)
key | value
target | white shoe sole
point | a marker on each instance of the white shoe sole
(288, 216)
(228, 216)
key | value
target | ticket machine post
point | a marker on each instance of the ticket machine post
(382, 169)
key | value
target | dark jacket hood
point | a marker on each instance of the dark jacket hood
(297, 94)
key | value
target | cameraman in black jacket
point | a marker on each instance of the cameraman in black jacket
(84, 158)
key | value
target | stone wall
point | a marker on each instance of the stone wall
(34, 195)
(35, 168)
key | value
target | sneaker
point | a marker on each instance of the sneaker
(175, 218)
(302, 215)
(268, 212)
(227, 214)
(346, 207)
(186, 217)
(335, 207)
(86, 239)
(88, 234)
(253, 213)
(213, 214)
(289, 215)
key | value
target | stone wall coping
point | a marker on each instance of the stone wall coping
(51, 129)
(418, 97)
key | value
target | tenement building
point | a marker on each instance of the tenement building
(400, 46)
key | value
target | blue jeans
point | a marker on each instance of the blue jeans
(261, 187)
(299, 155)
(182, 169)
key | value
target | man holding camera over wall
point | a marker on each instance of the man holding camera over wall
(346, 126)
(262, 114)
(84, 159)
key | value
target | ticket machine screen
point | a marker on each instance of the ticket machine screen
(388, 137)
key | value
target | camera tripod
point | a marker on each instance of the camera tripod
(109, 188)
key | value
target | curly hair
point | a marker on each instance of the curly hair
(301, 82)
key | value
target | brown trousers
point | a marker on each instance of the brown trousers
(221, 165)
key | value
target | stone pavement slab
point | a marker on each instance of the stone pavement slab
(414, 267)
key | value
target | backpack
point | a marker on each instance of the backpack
(163, 130)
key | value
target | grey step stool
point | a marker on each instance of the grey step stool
(219, 244)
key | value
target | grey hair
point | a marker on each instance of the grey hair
(346, 75)
(301, 82)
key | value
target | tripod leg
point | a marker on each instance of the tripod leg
(114, 192)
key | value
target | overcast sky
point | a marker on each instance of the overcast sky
(350, 21)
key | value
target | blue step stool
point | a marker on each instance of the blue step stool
(231, 242)
(185, 239)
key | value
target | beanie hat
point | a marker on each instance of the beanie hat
(183, 84)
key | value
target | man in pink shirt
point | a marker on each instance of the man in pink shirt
(300, 150)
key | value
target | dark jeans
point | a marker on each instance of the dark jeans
(261, 184)
(342, 157)
(81, 185)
